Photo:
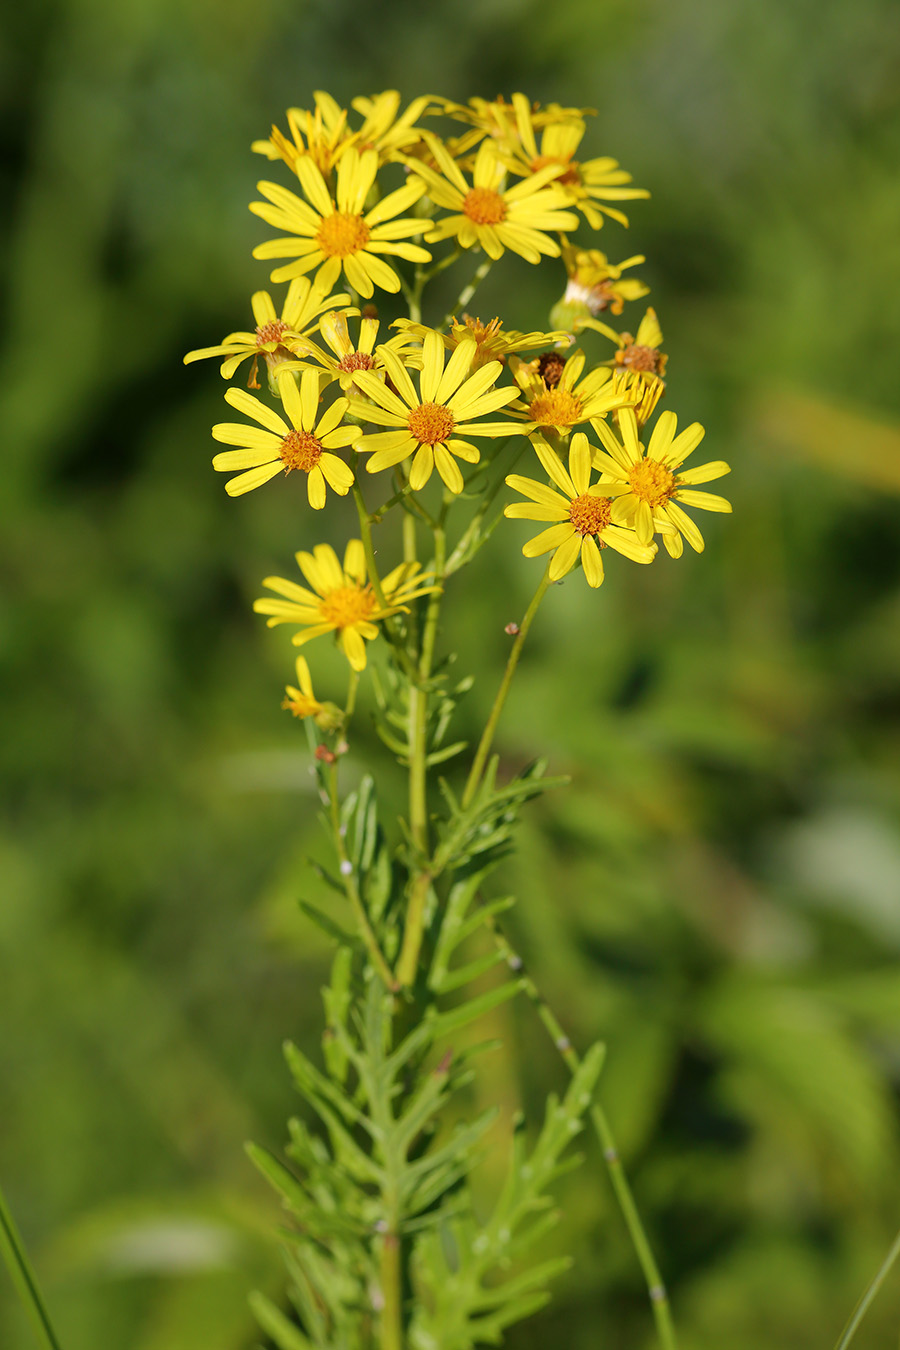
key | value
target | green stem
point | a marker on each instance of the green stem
(350, 887)
(392, 1313)
(467, 292)
(487, 736)
(442, 265)
(418, 771)
(24, 1278)
(659, 1300)
(459, 555)
(390, 627)
(864, 1303)
(352, 686)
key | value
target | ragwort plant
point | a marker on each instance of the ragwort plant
(425, 425)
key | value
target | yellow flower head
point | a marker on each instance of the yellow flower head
(553, 397)
(276, 338)
(386, 132)
(274, 446)
(486, 215)
(639, 365)
(591, 183)
(650, 486)
(496, 118)
(431, 422)
(582, 515)
(302, 702)
(492, 341)
(344, 360)
(594, 284)
(335, 234)
(342, 600)
(320, 136)
(325, 135)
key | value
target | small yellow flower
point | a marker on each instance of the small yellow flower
(497, 119)
(274, 446)
(492, 341)
(582, 515)
(342, 600)
(276, 338)
(594, 284)
(320, 136)
(590, 183)
(325, 135)
(386, 132)
(335, 234)
(563, 403)
(650, 486)
(344, 360)
(429, 424)
(302, 702)
(639, 365)
(486, 215)
(640, 355)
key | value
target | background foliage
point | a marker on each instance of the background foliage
(716, 895)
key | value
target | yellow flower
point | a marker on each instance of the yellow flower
(650, 486)
(589, 182)
(639, 365)
(302, 702)
(344, 361)
(320, 136)
(334, 234)
(275, 338)
(492, 341)
(430, 423)
(640, 355)
(383, 130)
(563, 402)
(582, 515)
(274, 446)
(342, 601)
(489, 217)
(594, 284)
(325, 135)
(497, 119)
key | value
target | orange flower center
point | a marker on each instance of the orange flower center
(270, 332)
(356, 361)
(341, 234)
(640, 358)
(590, 514)
(571, 175)
(557, 408)
(347, 605)
(300, 450)
(484, 206)
(431, 423)
(651, 481)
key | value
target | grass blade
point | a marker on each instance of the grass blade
(862, 1306)
(24, 1278)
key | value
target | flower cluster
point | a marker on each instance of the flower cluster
(354, 401)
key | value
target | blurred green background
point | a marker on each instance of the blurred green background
(718, 892)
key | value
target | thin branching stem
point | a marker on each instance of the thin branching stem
(487, 736)
(468, 291)
(656, 1290)
(24, 1278)
(459, 556)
